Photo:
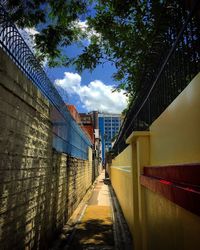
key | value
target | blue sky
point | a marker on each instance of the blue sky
(102, 73)
(89, 90)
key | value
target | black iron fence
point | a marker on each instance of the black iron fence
(176, 70)
(68, 136)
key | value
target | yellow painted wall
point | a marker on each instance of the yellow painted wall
(168, 226)
(175, 135)
(123, 159)
(174, 138)
(122, 184)
(121, 178)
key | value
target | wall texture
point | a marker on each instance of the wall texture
(39, 188)
(79, 181)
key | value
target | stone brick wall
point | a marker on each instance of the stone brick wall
(39, 188)
(79, 180)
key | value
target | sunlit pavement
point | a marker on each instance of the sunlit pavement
(95, 230)
(96, 223)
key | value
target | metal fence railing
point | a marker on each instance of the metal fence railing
(70, 139)
(177, 69)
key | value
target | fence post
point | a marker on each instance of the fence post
(139, 141)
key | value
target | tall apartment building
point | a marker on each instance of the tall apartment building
(109, 125)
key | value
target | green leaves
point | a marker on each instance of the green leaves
(133, 35)
(55, 20)
(89, 59)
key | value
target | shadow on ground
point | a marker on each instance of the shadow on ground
(91, 234)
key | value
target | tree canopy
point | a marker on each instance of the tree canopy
(133, 35)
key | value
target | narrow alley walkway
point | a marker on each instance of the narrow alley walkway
(97, 223)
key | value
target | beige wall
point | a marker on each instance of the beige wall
(122, 182)
(169, 226)
(174, 138)
(39, 187)
(79, 181)
(124, 159)
(175, 135)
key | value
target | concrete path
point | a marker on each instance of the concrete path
(95, 229)
(97, 223)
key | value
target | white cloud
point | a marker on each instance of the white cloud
(94, 96)
(31, 31)
(82, 24)
(86, 32)
(29, 36)
(70, 83)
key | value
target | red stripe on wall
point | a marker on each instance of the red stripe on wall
(178, 184)
(188, 173)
